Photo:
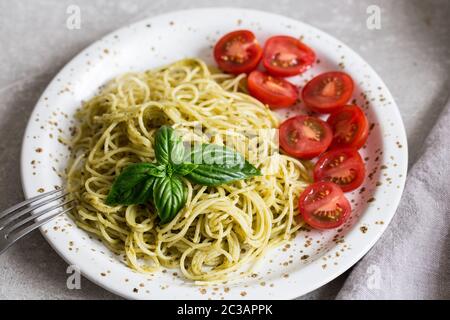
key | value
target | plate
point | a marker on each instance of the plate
(313, 258)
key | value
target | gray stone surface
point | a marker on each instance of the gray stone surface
(411, 53)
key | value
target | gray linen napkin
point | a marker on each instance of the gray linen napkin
(412, 258)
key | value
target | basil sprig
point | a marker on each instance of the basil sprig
(161, 183)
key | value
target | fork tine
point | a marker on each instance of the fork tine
(17, 235)
(34, 216)
(18, 214)
(28, 201)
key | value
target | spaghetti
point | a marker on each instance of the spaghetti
(222, 231)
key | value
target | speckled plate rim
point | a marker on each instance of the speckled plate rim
(301, 281)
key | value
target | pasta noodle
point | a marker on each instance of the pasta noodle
(222, 231)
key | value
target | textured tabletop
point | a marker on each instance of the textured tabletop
(411, 53)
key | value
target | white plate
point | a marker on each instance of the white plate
(313, 258)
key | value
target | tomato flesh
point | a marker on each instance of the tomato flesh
(304, 137)
(328, 92)
(350, 127)
(238, 52)
(344, 167)
(276, 92)
(323, 205)
(286, 56)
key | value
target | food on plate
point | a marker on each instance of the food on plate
(147, 199)
(305, 137)
(274, 91)
(323, 205)
(175, 167)
(238, 52)
(344, 167)
(286, 56)
(350, 127)
(328, 92)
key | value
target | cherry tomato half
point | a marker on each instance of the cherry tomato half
(323, 205)
(238, 52)
(305, 137)
(276, 92)
(328, 91)
(350, 127)
(286, 56)
(345, 167)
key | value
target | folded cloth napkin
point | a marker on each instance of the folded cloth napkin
(412, 258)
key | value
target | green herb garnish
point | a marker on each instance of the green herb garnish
(161, 183)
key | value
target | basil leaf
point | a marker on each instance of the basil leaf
(214, 175)
(184, 169)
(169, 196)
(169, 148)
(134, 184)
(213, 154)
(217, 165)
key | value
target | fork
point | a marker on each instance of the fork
(20, 219)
